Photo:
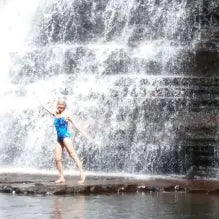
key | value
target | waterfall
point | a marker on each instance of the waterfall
(119, 64)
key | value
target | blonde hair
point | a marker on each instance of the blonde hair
(62, 101)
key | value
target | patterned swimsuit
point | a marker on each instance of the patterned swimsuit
(61, 125)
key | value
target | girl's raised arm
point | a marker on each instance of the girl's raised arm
(52, 112)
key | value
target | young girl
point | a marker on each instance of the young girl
(61, 122)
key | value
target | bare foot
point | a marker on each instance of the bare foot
(82, 179)
(61, 180)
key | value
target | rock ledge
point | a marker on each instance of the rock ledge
(28, 184)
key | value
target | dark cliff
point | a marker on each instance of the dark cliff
(200, 133)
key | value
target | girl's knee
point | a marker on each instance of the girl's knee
(73, 155)
(58, 160)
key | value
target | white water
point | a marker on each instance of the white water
(108, 74)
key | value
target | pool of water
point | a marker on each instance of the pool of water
(155, 205)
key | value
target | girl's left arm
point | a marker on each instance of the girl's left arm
(72, 124)
(77, 129)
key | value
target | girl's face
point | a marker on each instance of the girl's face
(60, 107)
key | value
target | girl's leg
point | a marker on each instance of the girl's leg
(58, 159)
(69, 147)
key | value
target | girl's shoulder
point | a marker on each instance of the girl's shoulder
(66, 115)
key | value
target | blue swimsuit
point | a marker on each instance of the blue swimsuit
(61, 125)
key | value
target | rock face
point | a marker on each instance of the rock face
(205, 59)
(200, 132)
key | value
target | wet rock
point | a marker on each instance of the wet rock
(7, 189)
(118, 62)
(130, 188)
(176, 187)
(141, 188)
(98, 189)
(214, 192)
(148, 189)
(121, 189)
(197, 191)
(17, 191)
(173, 188)
(45, 185)
(169, 188)
(215, 13)
(61, 191)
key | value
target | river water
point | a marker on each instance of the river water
(155, 205)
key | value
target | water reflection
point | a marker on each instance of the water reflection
(68, 207)
(133, 206)
(154, 205)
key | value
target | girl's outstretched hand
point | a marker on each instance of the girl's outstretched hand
(80, 130)
(52, 112)
(86, 135)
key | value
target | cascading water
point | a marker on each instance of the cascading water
(114, 61)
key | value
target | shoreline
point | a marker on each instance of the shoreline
(42, 184)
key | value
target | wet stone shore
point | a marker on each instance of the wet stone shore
(35, 184)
